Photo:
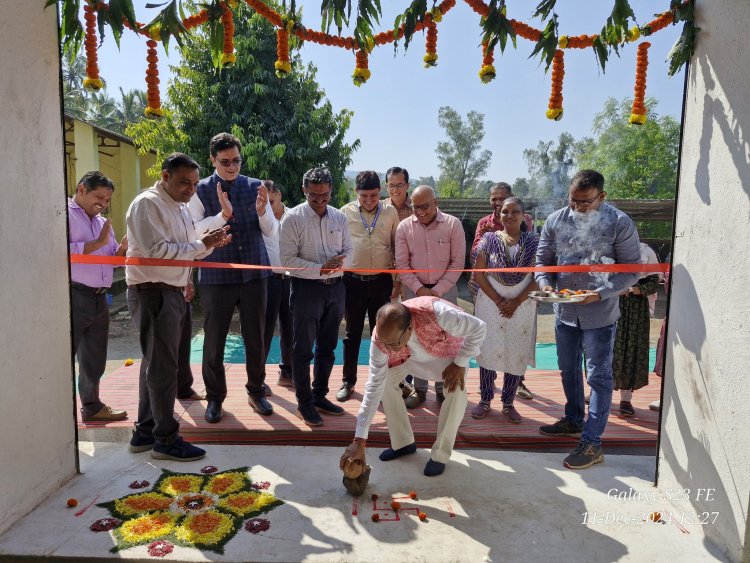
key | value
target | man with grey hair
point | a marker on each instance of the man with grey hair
(434, 243)
(315, 241)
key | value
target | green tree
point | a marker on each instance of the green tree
(521, 187)
(286, 125)
(637, 161)
(461, 158)
(550, 165)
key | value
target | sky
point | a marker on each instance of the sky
(395, 112)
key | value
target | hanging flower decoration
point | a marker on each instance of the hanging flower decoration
(487, 72)
(361, 72)
(555, 108)
(430, 58)
(92, 81)
(153, 109)
(678, 11)
(638, 112)
(282, 65)
(228, 56)
(193, 510)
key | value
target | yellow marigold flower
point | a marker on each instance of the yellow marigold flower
(129, 362)
(555, 114)
(430, 59)
(228, 59)
(437, 15)
(207, 528)
(93, 84)
(154, 112)
(225, 483)
(487, 74)
(563, 42)
(147, 527)
(290, 25)
(370, 44)
(360, 76)
(154, 32)
(177, 484)
(637, 119)
(233, 4)
(282, 68)
(634, 34)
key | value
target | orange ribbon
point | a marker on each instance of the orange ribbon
(134, 261)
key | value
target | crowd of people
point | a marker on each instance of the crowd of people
(395, 263)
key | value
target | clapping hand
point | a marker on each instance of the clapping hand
(226, 206)
(333, 265)
(261, 200)
(217, 238)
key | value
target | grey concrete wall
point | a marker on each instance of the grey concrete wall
(37, 429)
(705, 441)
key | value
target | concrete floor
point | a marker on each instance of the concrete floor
(487, 506)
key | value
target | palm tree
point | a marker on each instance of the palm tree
(132, 104)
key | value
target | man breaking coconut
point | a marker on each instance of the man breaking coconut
(429, 338)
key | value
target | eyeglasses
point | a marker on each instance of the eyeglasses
(400, 186)
(317, 197)
(226, 163)
(400, 338)
(423, 207)
(583, 202)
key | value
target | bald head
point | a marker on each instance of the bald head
(423, 192)
(424, 204)
(392, 321)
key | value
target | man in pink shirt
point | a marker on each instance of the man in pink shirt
(90, 233)
(434, 241)
(491, 223)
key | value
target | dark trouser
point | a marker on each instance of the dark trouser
(317, 310)
(277, 307)
(487, 379)
(362, 298)
(218, 303)
(90, 334)
(162, 314)
(184, 373)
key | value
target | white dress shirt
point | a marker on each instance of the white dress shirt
(160, 227)
(455, 322)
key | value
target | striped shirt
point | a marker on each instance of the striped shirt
(309, 241)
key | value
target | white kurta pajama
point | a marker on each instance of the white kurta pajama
(383, 383)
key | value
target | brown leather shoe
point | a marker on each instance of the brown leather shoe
(106, 414)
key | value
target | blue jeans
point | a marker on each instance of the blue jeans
(598, 346)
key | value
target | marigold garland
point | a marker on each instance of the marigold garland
(487, 72)
(282, 65)
(361, 72)
(153, 108)
(92, 81)
(638, 112)
(555, 108)
(228, 56)
(430, 58)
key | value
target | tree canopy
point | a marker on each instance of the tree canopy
(286, 125)
(638, 162)
(460, 158)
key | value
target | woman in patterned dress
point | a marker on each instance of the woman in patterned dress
(502, 302)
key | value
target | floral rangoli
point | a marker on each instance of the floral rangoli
(194, 510)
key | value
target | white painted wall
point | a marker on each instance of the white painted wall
(37, 431)
(706, 420)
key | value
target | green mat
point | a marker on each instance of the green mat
(234, 353)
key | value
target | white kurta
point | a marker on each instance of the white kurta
(510, 345)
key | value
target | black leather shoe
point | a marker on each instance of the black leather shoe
(214, 412)
(260, 404)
